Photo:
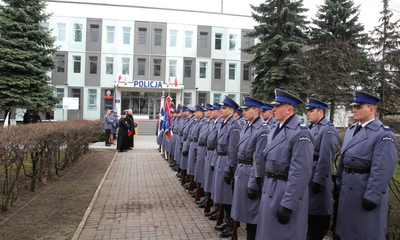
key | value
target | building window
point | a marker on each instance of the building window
(157, 67)
(142, 36)
(110, 34)
(78, 32)
(246, 42)
(141, 67)
(218, 41)
(187, 98)
(232, 70)
(217, 97)
(59, 94)
(232, 42)
(217, 70)
(94, 33)
(93, 65)
(202, 98)
(188, 69)
(60, 63)
(61, 31)
(92, 101)
(127, 35)
(77, 64)
(246, 72)
(46, 26)
(188, 39)
(172, 68)
(125, 65)
(76, 93)
(203, 40)
(157, 37)
(203, 69)
(110, 65)
(233, 96)
(173, 38)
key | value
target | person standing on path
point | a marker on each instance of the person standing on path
(108, 120)
(366, 166)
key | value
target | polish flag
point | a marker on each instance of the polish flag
(126, 79)
(176, 81)
(119, 79)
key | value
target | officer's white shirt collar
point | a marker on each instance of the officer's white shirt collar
(366, 123)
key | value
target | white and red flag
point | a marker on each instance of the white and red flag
(119, 79)
(126, 79)
(176, 82)
(5, 124)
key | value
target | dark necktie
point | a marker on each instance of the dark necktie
(357, 129)
(277, 129)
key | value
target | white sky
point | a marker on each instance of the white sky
(369, 14)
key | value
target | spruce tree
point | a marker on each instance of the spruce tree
(26, 56)
(338, 62)
(386, 51)
(281, 35)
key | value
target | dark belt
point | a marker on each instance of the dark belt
(245, 161)
(222, 153)
(202, 144)
(194, 139)
(349, 169)
(279, 176)
(210, 148)
(180, 134)
(315, 158)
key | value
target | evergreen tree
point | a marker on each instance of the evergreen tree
(386, 50)
(26, 56)
(338, 62)
(281, 38)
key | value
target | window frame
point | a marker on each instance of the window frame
(232, 42)
(61, 31)
(157, 37)
(172, 68)
(93, 65)
(157, 67)
(76, 61)
(173, 38)
(78, 32)
(232, 71)
(126, 35)
(203, 70)
(141, 67)
(108, 64)
(219, 70)
(110, 34)
(218, 40)
(125, 65)
(142, 36)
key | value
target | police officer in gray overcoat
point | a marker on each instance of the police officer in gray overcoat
(252, 142)
(185, 141)
(366, 165)
(288, 163)
(211, 158)
(239, 117)
(227, 140)
(193, 136)
(202, 147)
(326, 138)
(179, 136)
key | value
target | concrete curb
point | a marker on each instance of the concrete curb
(89, 209)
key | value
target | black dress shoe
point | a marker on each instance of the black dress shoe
(192, 192)
(193, 195)
(214, 211)
(213, 217)
(227, 231)
(203, 205)
(201, 201)
(221, 227)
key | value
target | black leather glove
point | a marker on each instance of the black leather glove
(228, 177)
(316, 187)
(284, 215)
(233, 184)
(367, 205)
(195, 151)
(251, 193)
(212, 168)
(259, 181)
(185, 154)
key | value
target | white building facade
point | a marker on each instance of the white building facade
(146, 48)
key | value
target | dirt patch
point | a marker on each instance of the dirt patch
(56, 209)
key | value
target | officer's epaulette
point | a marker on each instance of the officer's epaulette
(330, 123)
(264, 124)
(302, 126)
(386, 128)
(264, 135)
(353, 125)
(236, 130)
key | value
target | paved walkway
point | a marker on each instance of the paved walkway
(141, 198)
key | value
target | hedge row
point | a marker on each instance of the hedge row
(39, 151)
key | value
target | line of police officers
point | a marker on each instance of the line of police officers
(268, 170)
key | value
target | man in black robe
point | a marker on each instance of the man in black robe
(131, 123)
(122, 141)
